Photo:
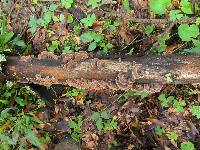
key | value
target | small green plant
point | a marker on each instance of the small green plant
(111, 27)
(149, 29)
(175, 15)
(165, 100)
(179, 105)
(113, 143)
(172, 136)
(96, 39)
(35, 23)
(159, 7)
(126, 5)
(93, 3)
(70, 19)
(89, 20)
(187, 146)
(104, 122)
(188, 32)
(17, 126)
(74, 92)
(75, 127)
(186, 6)
(67, 3)
(54, 46)
(195, 111)
(58, 18)
(159, 131)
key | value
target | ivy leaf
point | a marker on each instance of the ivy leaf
(159, 6)
(187, 33)
(89, 20)
(93, 3)
(175, 15)
(186, 6)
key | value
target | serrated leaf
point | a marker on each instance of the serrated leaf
(187, 146)
(67, 3)
(87, 37)
(196, 111)
(89, 20)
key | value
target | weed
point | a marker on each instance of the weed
(89, 20)
(76, 127)
(17, 127)
(104, 122)
(67, 3)
(172, 136)
(160, 7)
(179, 105)
(93, 3)
(195, 110)
(159, 131)
(165, 100)
(149, 29)
(187, 146)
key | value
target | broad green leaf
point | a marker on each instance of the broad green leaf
(87, 37)
(99, 124)
(159, 6)
(95, 116)
(175, 15)
(196, 111)
(187, 33)
(186, 6)
(93, 3)
(4, 113)
(126, 4)
(67, 3)
(6, 37)
(149, 29)
(172, 136)
(105, 115)
(89, 20)
(179, 105)
(187, 146)
(92, 46)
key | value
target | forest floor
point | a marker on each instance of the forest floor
(67, 118)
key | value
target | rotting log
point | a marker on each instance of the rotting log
(80, 70)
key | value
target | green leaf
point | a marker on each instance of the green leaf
(159, 6)
(126, 5)
(89, 20)
(18, 42)
(99, 124)
(87, 37)
(165, 101)
(186, 6)
(179, 105)
(187, 33)
(142, 94)
(187, 146)
(4, 113)
(33, 139)
(20, 101)
(175, 15)
(196, 111)
(172, 136)
(70, 19)
(95, 116)
(92, 46)
(6, 37)
(67, 3)
(53, 7)
(159, 131)
(105, 115)
(197, 21)
(149, 29)
(93, 3)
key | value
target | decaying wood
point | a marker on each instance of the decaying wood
(80, 70)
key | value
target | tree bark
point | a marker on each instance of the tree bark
(80, 70)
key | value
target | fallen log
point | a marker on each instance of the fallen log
(80, 70)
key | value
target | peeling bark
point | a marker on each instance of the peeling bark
(80, 70)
